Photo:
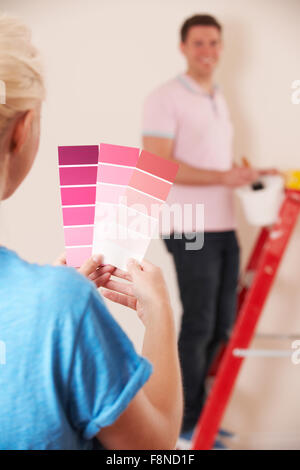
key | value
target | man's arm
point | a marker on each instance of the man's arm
(190, 175)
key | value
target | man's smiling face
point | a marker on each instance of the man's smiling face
(202, 49)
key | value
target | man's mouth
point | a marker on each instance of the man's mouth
(206, 60)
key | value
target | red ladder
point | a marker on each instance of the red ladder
(255, 286)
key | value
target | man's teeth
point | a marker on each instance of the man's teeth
(207, 60)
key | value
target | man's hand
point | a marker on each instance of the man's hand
(268, 171)
(263, 171)
(239, 176)
(92, 269)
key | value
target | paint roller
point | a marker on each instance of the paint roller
(257, 185)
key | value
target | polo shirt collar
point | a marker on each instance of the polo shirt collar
(190, 84)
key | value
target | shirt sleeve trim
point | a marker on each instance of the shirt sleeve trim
(165, 135)
(105, 418)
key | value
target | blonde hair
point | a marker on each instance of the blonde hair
(20, 71)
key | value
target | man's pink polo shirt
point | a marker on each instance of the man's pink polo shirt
(202, 131)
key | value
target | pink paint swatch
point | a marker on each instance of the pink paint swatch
(157, 166)
(142, 202)
(75, 236)
(150, 184)
(78, 177)
(109, 193)
(118, 155)
(78, 196)
(114, 174)
(76, 257)
(78, 215)
(146, 183)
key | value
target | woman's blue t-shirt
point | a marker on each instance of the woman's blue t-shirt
(67, 369)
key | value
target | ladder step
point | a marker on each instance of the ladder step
(277, 336)
(262, 353)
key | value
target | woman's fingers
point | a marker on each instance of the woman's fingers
(102, 280)
(134, 268)
(121, 287)
(147, 266)
(90, 265)
(92, 269)
(144, 265)
(122, 299)
(122, 274)
(101, 270)
(61, 260)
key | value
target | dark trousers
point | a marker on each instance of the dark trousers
(207, 281)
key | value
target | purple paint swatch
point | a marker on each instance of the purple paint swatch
(78, 155)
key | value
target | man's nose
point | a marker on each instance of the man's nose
(206, 50)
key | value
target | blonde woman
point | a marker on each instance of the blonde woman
(71, 374)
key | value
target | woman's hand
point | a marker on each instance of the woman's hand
(92, 269)
(146, 291)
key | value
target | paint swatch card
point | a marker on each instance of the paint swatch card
(130, 192)
(146, 193)
(78, 175)
(115, 167)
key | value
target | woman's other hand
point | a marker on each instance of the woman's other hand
(146, 291)
(91, 268)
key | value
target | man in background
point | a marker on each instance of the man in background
(187, 120)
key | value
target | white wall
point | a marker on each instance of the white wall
(101, 59)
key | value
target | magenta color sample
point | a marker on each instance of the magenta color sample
(158, 166)
(110, 194)
(78, 215)
(78, 236)
(118, 154)
(77, 256)
(81, 195)
(150, 185)
(78, 175)
(114, 174)
(78, 155)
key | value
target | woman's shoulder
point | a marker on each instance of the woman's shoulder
(62, 288)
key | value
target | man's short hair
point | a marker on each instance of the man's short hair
(198, 20)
